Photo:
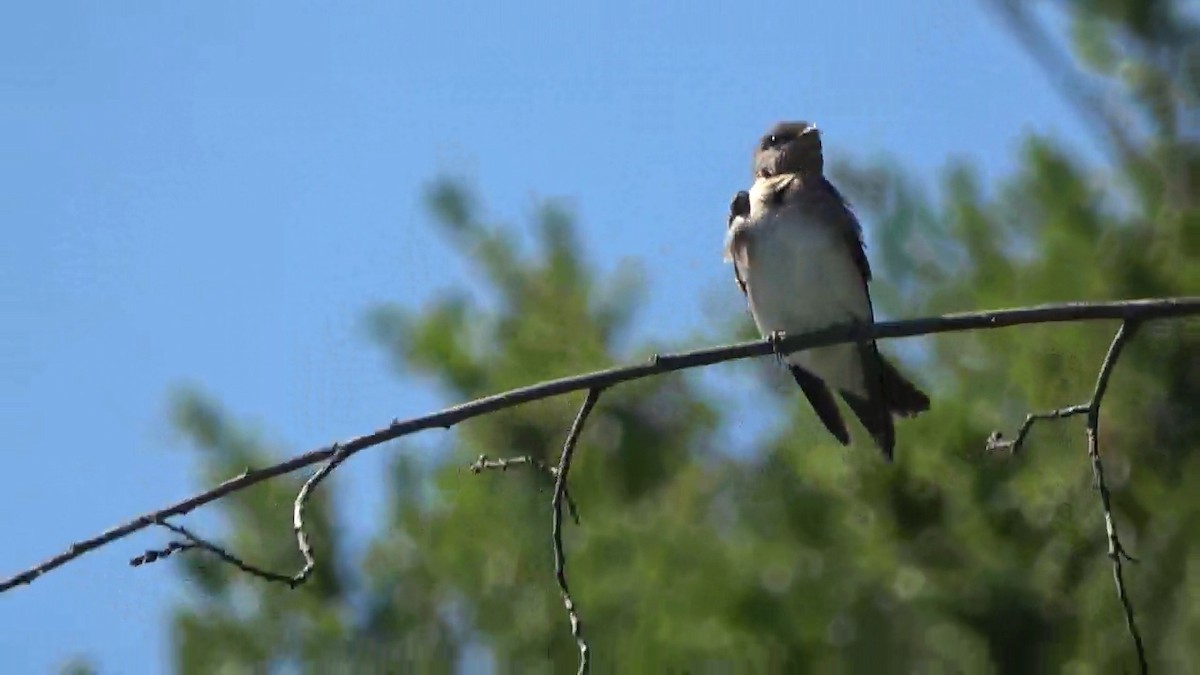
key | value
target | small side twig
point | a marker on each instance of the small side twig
(560, 490)
(195, 541)
(156, 554)
(485, 463)
(1116, 551)
(340, 454)
(998, 443)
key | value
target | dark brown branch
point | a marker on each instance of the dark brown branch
(560, 558)
(340, 454)
(156, 554)
(1125, 310)
(1116, 552)
(485, 463)
(196, 542)
(996, 442)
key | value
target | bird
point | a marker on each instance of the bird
(799, 258)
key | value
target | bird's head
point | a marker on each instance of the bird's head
(789, 147)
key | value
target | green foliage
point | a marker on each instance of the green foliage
(801, 557)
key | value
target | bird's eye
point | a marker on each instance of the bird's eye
(773, 139)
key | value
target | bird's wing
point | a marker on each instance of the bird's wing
(830, 207)
(839, 211)
(738, 208)
(814, 388)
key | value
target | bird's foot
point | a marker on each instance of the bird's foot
(776, 339)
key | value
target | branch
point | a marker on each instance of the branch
(196, 542)
(560, 559)
(193, 541)
(1132, 310)
(996, 442)
(1116, 552)
(485, 463)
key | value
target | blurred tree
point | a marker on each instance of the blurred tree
(796, 558)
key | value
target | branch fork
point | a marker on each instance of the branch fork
(1131, 313)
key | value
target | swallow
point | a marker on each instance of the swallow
(798, 256)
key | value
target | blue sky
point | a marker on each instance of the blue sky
(213, 193)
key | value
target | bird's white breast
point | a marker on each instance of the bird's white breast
(801, 276)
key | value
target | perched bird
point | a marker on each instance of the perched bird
(798, 255)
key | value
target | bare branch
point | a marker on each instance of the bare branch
(156, 554)
(560, 558)
(196, 542)
(340, 454)
(485, 463)
(997, 443)
(1130, 310)
(1116, 552)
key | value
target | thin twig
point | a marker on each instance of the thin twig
(485, 463)
(156, 554)
(560, 558)
(1126, 310)
(1116, 552)
(997, 443)
(340, 455)
(195, 541)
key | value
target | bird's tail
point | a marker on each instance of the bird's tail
(894, 395)
(819, 396)
(901, 396)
